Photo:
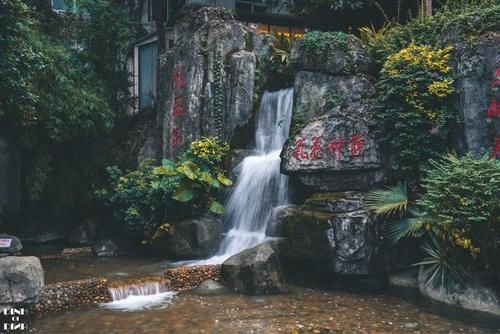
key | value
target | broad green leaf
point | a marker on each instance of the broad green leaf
(155, 185)
(165, 170)
(206, 177)
(224, 180)
(183, 195)
(216, 208)
(184, 169)
(166, 163)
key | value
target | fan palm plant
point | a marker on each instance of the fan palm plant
(408, 220)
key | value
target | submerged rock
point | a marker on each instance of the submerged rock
(11, 245)
(211, 288)
(21, 279)
(255, 271)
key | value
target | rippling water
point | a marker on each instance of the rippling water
(303, 309)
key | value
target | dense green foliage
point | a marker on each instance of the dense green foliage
(312, 8)
(456, 218)
(148, 200)
(319, 44)
(457, 21)
(63, 84)
(415, 114)
(279, 64)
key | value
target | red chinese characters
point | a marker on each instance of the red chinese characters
(177, 78)
(299, 153)
(356, 143)
(178, 111)
(335, 147)
(495, 152)
(316, 149)
(178, 107)
(176, 137)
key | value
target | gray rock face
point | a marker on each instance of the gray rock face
(317, 93)
(255, 271)
(211, 73)
(335, 152)
(192, 238)
(474, 296)
(476, 66)
(332, 228)
(21, 279)
(12, 245)
(354, 59)
(211, 288)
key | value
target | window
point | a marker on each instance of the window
(64, 5)
(148, 54)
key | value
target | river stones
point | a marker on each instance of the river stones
(188, 277)
(255, 271)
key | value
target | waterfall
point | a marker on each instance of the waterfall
(140, 296)
(260, 186)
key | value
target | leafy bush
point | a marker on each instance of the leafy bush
(464, 194)
(313, 7)
(456, 218)
(278, 65)
(321, 44)
(456, 21)
(415, 111)
(152, 197)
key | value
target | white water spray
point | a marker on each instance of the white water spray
(148, 295)
(260, 186)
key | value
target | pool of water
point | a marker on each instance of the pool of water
(112, 268)
(304, 310)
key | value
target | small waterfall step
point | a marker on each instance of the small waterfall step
(139, 294)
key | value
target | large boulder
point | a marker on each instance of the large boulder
(255, 271)
(10, 245)
(21, 279)
(192, 238)
(477, 68)
(335, 152)
(210, 77)
(316, 93)
(351, 58)
(474, 296)
(332, 230)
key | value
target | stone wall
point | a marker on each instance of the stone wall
(210, 76)
(72, 294)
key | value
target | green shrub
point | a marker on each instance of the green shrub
(319, 44)
(415, 113)
(456, 219)
(463, 194)
(151, 198)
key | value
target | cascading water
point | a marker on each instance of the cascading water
(134, 297)
(260, 186)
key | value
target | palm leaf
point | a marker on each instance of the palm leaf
(405, 228)
(388, 201)
(440, 268)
